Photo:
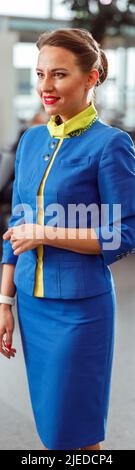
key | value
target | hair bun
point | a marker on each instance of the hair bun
(103, 67)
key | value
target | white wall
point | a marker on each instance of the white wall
(7, 88)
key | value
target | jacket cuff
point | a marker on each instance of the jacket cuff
(120, 244)
(8, 254)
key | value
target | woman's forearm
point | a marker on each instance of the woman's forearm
(78, 240)
(7, 283)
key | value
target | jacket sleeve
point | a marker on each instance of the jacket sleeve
(7, 251)
(116, 183)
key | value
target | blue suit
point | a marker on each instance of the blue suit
(97, 167)
(68, 336)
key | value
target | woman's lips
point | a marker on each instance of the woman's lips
(50, 100)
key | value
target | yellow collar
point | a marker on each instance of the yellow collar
(79, 121)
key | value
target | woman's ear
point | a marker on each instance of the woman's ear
(92, 78)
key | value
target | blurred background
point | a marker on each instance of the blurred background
(112, 22)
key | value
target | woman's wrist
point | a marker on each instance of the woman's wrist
(6, 308)
(5, 299)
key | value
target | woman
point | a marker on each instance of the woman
(57, 259)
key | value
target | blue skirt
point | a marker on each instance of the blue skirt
(68, 350)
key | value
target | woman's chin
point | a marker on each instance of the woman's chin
(51, 109)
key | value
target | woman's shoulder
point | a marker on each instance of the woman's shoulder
(111, 134)
(32, 135)
(117, 147)
(34, 130)
(108, 128)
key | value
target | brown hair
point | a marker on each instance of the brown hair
(80, 42)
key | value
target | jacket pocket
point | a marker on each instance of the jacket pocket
(74, 197)
(83, 160)
(71, 279)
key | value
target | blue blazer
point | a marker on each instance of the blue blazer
(98, 168)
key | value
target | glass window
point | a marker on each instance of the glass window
(26, 8)
(23, 81)
(130, 68)
(25, 55)
(61, 11)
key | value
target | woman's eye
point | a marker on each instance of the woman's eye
(39, 74)
(60, 73)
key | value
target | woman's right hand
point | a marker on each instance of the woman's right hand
(6, 331)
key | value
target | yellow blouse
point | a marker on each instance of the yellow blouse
(79, 121)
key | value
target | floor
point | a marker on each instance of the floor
(17, 428)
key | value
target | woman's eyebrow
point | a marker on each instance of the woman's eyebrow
(53, 70)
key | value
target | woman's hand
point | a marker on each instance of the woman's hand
(25, 237)
(6, 331)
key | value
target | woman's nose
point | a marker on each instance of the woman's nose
(46, 84)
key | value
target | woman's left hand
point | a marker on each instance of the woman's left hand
(25, 237)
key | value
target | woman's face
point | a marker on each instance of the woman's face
(61, 78)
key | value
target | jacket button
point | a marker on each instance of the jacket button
(52, 145)
(47, 157)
